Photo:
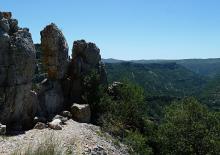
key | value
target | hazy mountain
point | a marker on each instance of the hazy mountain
(205, 67)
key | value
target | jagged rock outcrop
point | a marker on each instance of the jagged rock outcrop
(55, 59)
(55, 51)
(58, 82)
(17, 63)
(86, 58)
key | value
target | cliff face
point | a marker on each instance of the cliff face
(17, 63)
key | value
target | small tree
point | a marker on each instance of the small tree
(189, 128)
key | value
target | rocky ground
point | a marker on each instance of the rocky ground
(74, 138)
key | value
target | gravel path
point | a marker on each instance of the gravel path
(74, 138)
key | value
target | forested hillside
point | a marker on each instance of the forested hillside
(169, 79)
(205, 67)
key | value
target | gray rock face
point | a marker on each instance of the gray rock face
(50, 98)
(86, 58)
(81, 113)
(55, 124)
(17, 63)
(66, 114)
(55, 59)
(55, 51)
(40, 126)
(2, 129)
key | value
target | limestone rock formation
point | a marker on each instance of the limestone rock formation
(57, 81)
(55, 124)
(50, 98)
(55, 51)
(40, 126)
(66, 114)
(86, 58)
(17, 63)
(55, 59)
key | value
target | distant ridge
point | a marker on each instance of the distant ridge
(206, 67)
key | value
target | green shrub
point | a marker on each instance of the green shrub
(137, 143)
(189, 128)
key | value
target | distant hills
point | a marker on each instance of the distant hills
(167, 80)
(204, 67)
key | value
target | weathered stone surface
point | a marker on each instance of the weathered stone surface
(66, 114)
(54, 55)
(86, 58)
(1, 15)
(17, 63)
(63, 119)
(13, 23)
(55, 124)
(4, 25)
(50, 98)
(2, 129)
(40, 126)
(81, 112)
(55, 51)
(7, 15)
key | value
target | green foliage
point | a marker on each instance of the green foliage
(125, 114)
(189, 128)
(211, 94)
(169, 79)
(129, 109)
(92, 93)
(137, 143)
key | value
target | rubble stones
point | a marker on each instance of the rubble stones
(55, 124)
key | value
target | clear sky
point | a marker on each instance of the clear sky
(129, 29)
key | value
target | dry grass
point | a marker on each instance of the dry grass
(48, 146)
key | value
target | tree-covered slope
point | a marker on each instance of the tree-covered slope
(204, 67)
(211, 93)
(169, 79)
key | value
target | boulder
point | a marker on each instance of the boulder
(2, 129)
(81, 113)
(55, 124)
(63, 119)
(40, 126)
(66, 114)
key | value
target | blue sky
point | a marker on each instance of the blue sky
(129, 29)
